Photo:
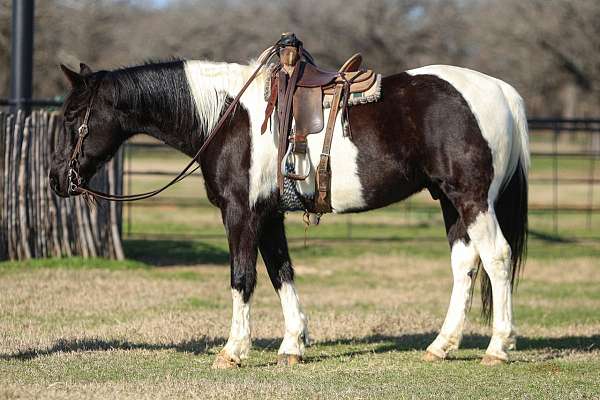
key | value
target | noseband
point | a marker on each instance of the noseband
(75, 181)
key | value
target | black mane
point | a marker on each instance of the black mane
(157, 89)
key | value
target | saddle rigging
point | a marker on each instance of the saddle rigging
(299, 90)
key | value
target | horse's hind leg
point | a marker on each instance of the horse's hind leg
(464, 260)
(495, 253)
(274, 250)
(243, 243)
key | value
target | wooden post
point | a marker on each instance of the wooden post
(34, 222)
(13, 213)
(6, 183)
(22, 191)
(115, 236)
(3, 245)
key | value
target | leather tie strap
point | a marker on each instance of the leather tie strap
(285, 97)
(271, 103)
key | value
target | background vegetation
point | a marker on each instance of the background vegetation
(548, 49)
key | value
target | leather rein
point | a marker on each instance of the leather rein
(75, 182)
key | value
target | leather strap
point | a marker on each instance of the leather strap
(285, 95)
(323, 175)
(271, 103)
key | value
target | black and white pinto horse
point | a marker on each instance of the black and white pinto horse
(456, 132)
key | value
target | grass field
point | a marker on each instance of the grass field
(151, 326)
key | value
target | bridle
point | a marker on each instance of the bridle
(75, 182)
(73, 176)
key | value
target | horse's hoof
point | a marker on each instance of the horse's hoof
(224, 361)
(489, 360)
(288, 359)
(430, 357)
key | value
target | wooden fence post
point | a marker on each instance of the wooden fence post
(34, 222)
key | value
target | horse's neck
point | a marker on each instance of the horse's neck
(182, 141)
(157, 101)
(163, 127)
(181, 102)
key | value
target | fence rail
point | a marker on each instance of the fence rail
(557, 136)
(31, 102)
(34, 222)
(553, 132)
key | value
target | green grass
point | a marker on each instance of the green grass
(335, 370)
(215, 251)
(71, 263)
(544, 166)
(152, 325)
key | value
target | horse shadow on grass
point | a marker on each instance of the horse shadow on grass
(165, 253)
(370, 344)
(554, 347)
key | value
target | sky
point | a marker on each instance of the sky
(159, 3)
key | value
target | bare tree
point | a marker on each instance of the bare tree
(548, 49)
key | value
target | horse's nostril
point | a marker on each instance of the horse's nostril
(53, 183)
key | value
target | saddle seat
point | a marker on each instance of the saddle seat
(312, 76)
(314, 84)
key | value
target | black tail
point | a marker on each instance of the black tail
(511, 211)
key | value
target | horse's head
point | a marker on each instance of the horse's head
(104, 133)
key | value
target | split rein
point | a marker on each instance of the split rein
(75, 182)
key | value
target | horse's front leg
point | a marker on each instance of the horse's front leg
(242, 227)
(274, 250)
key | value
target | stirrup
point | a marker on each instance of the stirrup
(290, 156)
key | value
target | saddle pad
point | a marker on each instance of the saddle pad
(371, 95)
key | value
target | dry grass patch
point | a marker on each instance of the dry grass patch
(153, 332)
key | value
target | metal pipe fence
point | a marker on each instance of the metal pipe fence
(553, 141)
(556, 146)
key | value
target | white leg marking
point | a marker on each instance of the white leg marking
(296, 329)
(238, 344)
(495, 255)
(464, 259)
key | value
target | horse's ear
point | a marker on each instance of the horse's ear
(73, 77)
(84, 69)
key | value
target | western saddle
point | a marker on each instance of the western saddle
(298, 89)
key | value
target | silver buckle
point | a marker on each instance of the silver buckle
(83, 130)
(74, 181)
